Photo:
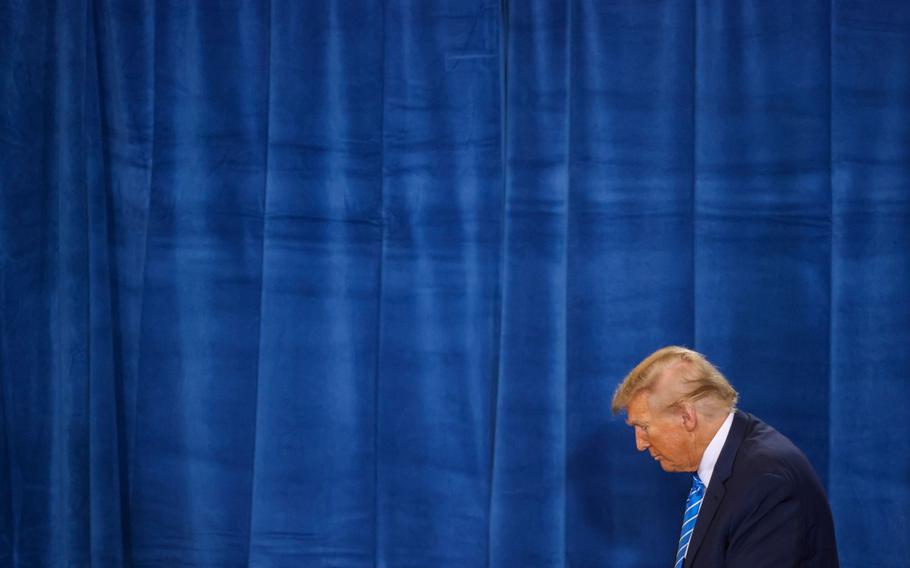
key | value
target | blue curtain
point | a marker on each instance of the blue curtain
(336, 283)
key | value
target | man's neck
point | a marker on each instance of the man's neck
(715, 446)
(708, 429)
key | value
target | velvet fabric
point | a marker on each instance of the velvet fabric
(351, 283)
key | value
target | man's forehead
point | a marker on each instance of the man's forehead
(638, 411)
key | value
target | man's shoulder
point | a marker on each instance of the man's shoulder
(765, 452)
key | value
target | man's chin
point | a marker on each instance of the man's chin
(675, 468)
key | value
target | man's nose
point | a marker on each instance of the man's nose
(640, 442)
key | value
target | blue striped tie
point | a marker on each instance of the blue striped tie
(693, 504)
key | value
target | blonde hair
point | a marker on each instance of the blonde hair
(701, 379)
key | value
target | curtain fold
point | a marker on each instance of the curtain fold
(123, 52)
(528, 487)
(439, 265)
(762, 208)
(630, 264)
(869, 464)
(318, 343)
(351, 283)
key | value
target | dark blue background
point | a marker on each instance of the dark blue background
(336, 283)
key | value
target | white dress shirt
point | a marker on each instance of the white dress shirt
(712, 452)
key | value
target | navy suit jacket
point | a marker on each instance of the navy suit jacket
(764, 505)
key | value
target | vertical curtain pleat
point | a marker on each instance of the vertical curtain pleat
(60, 434)
(313, 490)
(351, 283)
(529, 499)
(870, 328)
(124, 51)
(441, 181)
(630, 284)
(105, 515)
(762, 209)
(29, 219)
(195, 412)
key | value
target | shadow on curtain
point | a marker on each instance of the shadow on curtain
(351, 284)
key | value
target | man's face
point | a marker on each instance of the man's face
(663, 434)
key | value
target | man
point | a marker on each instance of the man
(755, 499)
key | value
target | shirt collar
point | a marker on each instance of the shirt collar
(712, 452)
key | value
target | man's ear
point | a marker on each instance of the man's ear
(689, 416)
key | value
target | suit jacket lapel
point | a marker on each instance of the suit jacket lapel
(715, 494)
